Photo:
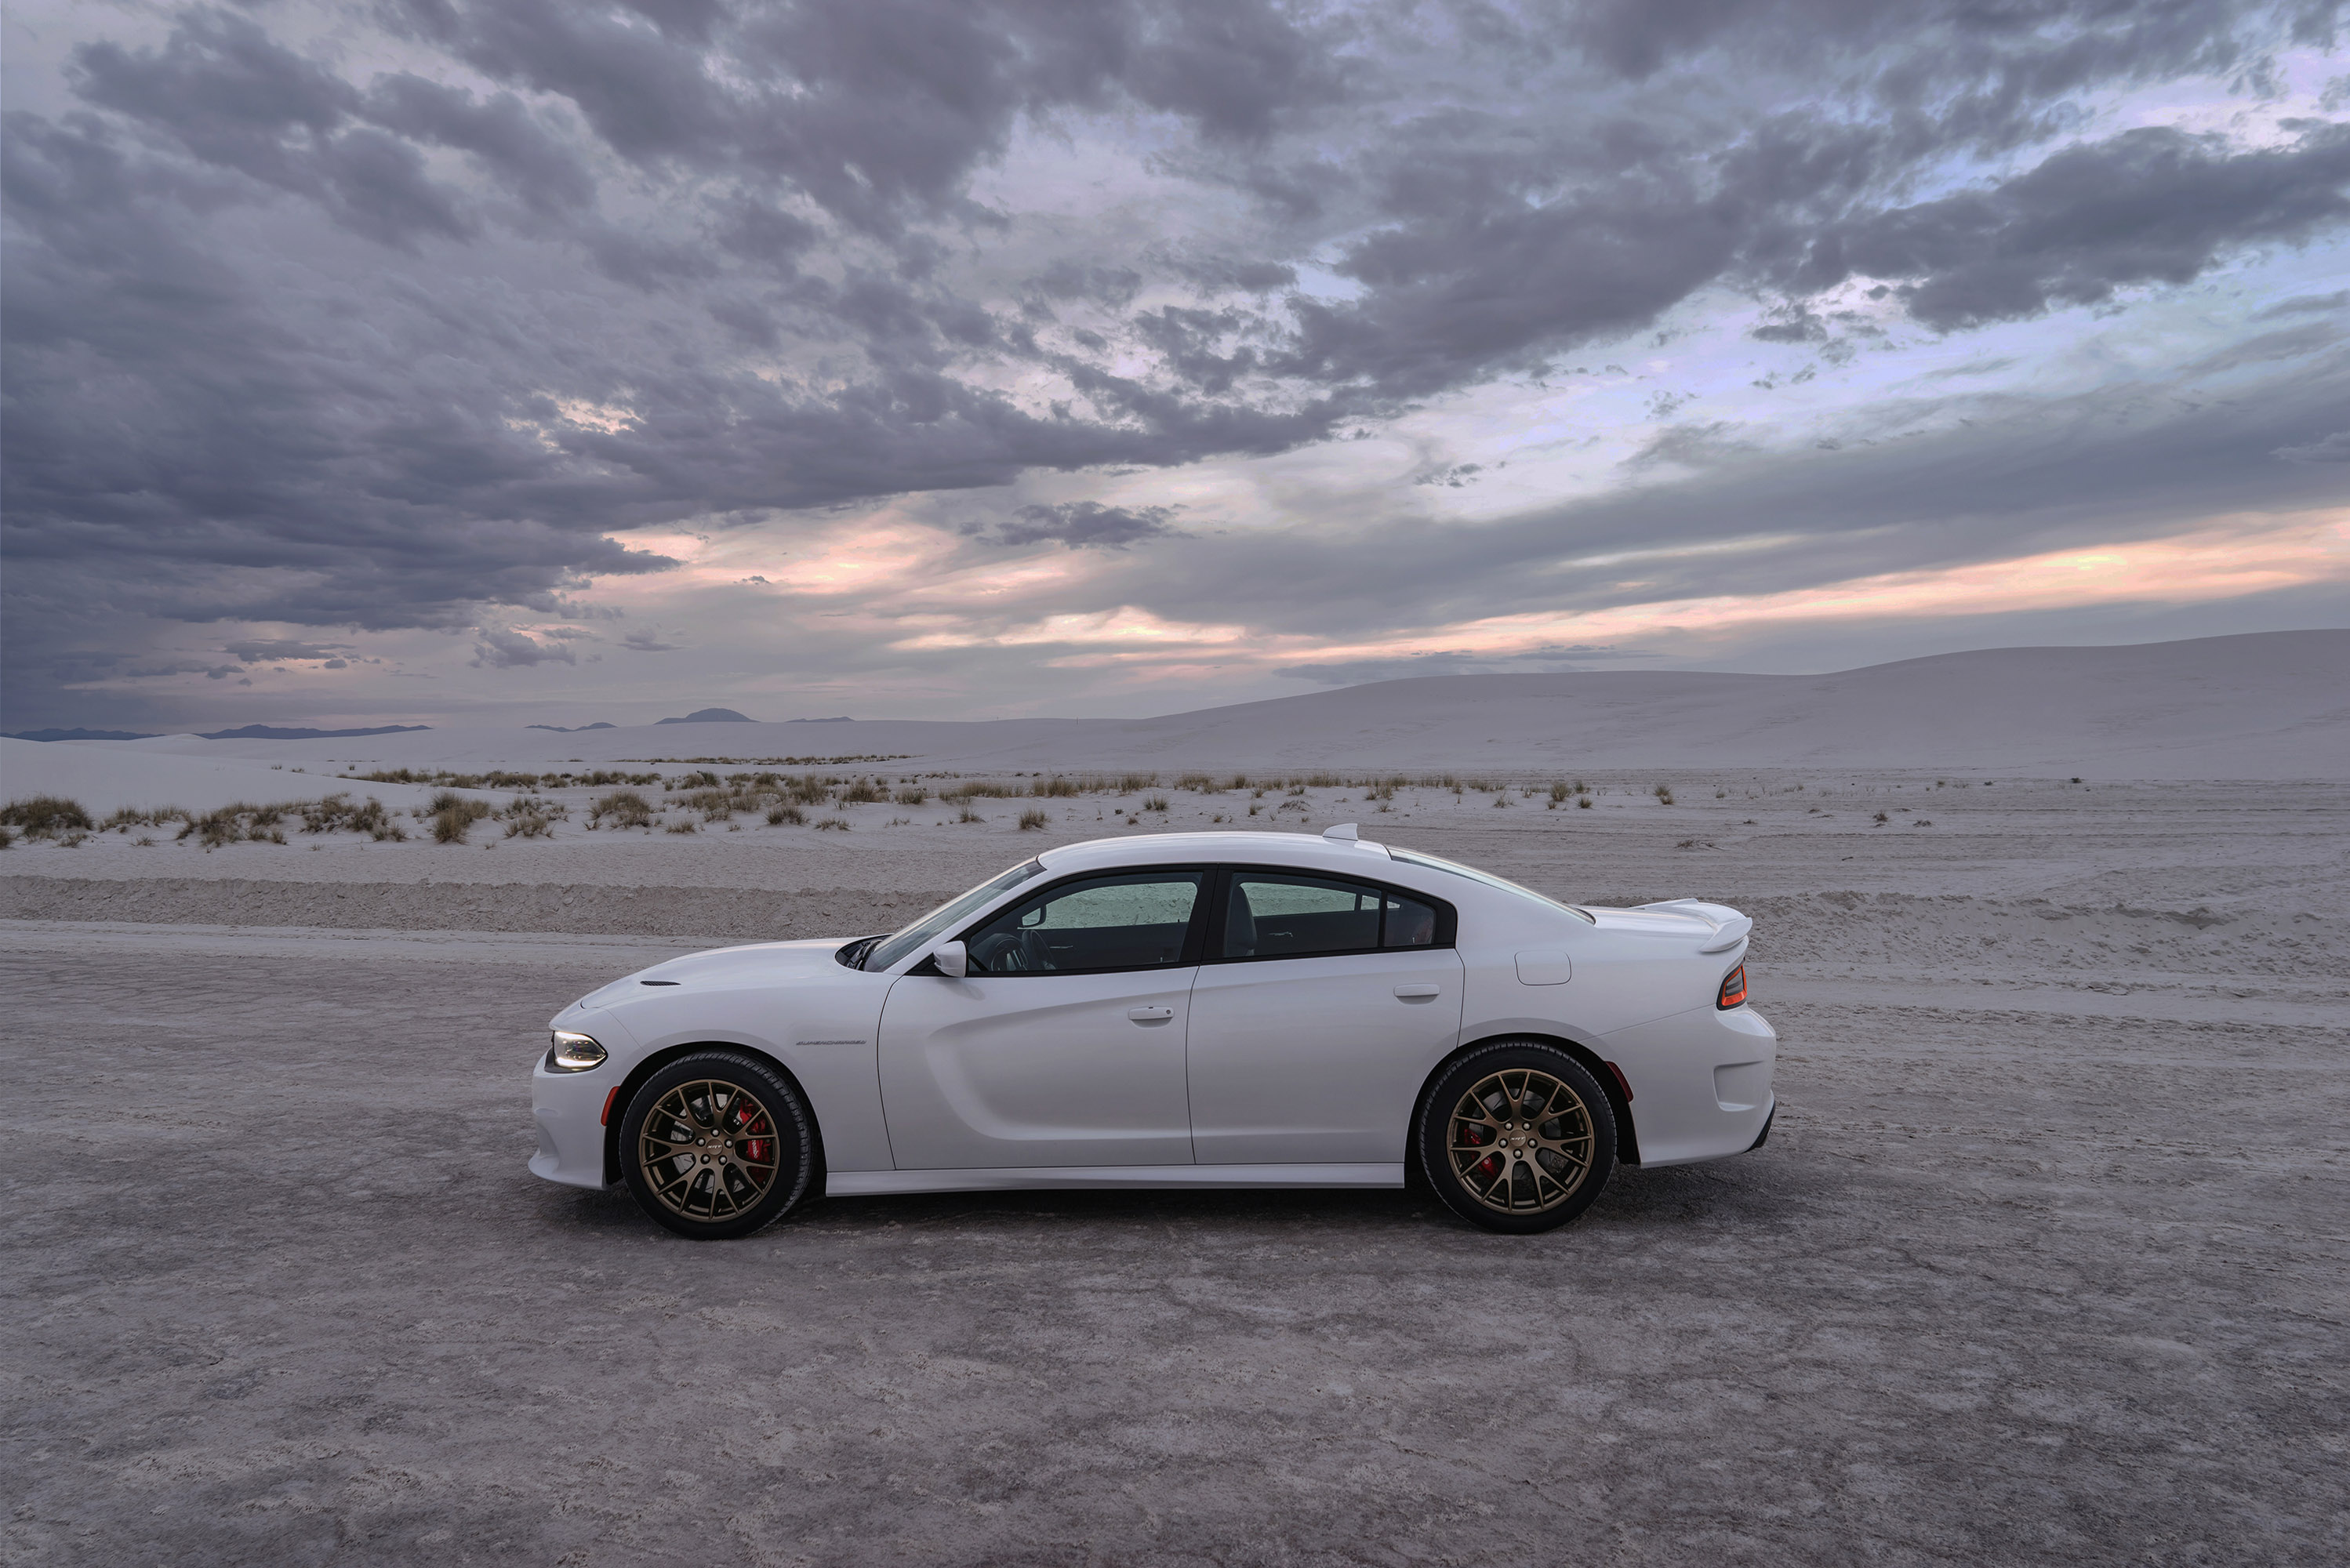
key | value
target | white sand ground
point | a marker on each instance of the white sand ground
(106, 778)
(2272, 705)
(2043, 1261)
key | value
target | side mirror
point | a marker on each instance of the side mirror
(951, 960)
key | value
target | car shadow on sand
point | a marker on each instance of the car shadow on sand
(1755, 1191)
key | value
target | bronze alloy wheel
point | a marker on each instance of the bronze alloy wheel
(1519, 1141)
(708, 1150)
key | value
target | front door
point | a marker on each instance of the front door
(1316, 1021)
(1063, 1044)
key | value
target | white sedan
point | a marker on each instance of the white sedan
(1178, 1010)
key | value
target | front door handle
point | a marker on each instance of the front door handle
(1418, 993)
(1151, 1015)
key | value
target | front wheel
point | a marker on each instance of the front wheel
(1516, 1137)
(716, 1145)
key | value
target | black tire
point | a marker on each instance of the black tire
(1534, 1151)
(740, 1141)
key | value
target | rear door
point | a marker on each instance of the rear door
(1320, 1006)
(1063, 1044)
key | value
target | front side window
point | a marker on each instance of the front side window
(926, 929)
(1276, 915)
(1135, 919)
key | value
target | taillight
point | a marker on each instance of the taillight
(1733, 987)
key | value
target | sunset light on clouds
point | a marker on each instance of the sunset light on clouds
(563, 364)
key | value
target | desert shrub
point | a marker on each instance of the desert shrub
(1583, 801)
(1128, 783)
(1156, 803)
(1031, 820)
(626, 807)
(45, 815)
(718, 804)
(967, 814)
(1199, 783)
(7, 836)
(529, 825)
(1664, 793)
(452, 816)
(863, 792)
(912, 794)
(449, 800)
(782, 813)
(240, 822)
(335, 814)
(1056, 786)
(1239, 781)
(833, 824)
(688, 825)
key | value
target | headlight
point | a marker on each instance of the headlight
(574, 1052)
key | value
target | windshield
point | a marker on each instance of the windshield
(929, 929)
(1487, 878)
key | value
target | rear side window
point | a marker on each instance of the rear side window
(1283, 915)
(1132, 920)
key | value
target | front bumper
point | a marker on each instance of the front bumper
(568, 1111)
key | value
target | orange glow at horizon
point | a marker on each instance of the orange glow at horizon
(2226, 559)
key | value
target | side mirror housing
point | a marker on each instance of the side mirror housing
(951, 960)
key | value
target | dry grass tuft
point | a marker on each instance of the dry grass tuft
(46, 816)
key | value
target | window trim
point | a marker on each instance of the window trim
(1194, 935)
(1448, 919)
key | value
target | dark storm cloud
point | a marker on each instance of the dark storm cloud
(2151, 205)
(277, 650)
(496, 649)
(287, 339)
(1080, 525)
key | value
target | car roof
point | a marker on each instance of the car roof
(1359, 856)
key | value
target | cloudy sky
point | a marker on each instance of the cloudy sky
(510, 360)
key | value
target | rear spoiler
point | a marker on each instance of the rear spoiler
(1730, 927)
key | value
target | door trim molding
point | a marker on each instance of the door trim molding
(876, 1183)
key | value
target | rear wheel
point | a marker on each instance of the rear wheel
(716, 1145)
(1516, 1137)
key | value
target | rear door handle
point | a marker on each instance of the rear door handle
(1151, 1015)
(1418, 993)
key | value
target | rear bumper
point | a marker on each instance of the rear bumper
(1700, 1083)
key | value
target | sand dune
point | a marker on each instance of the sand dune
(107, 775)
(2269, 705)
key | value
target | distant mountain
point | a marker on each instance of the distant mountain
(581, 728)
(710, 716)
(270, 733)
(77, 735)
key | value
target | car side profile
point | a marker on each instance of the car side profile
(1186, 1009)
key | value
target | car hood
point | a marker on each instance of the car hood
(720, 969)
